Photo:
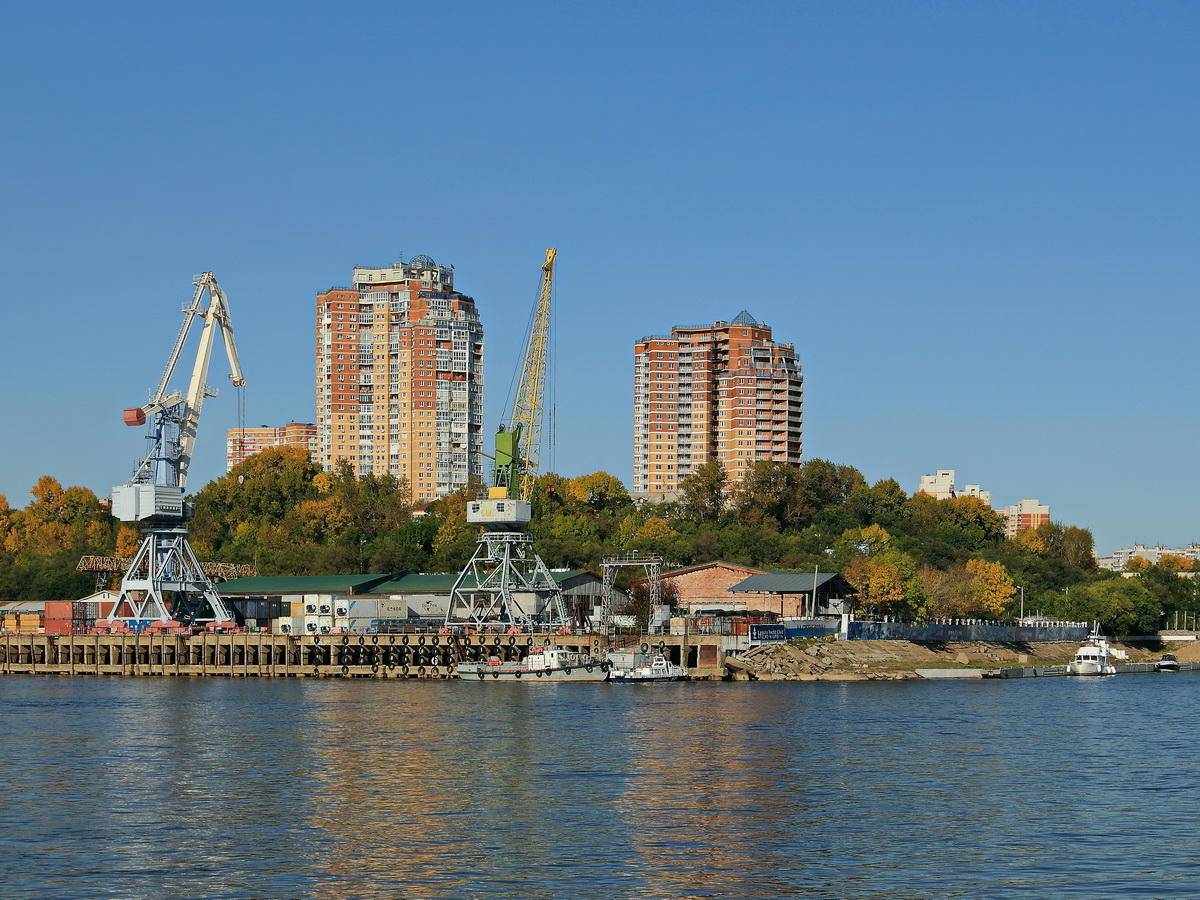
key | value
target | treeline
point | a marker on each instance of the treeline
(912, 557)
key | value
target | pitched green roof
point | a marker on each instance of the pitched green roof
(302, 584)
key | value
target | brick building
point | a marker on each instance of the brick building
(723, 391)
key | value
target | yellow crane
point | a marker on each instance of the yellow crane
(518, 449)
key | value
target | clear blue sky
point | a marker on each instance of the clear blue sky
(977, 222)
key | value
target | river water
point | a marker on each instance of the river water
(182, 788)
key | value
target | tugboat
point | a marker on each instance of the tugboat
(656, 668)
(1093, 657)
(542, 664)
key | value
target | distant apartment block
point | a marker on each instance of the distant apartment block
(1120, 558)
(940, 486)
(400, 377)
(724, 391)
(1026, 514)
(241, 443)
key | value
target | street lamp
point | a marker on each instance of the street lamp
(1022, 590)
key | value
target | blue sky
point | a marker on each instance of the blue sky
(976, 222)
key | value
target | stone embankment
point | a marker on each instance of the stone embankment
(831, 660)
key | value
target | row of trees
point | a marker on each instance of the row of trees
(909, 556)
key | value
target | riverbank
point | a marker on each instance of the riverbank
(832, 660)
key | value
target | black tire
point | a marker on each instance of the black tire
(375, 668)
(587, 668)
(345, 670)
(529, 641)
(391, 667)
(512, 641)
(496, 641)
(434, 672)
(662, 646)
(421, 640)
(645, 648)
(374, 639)
(481, 676)
(404, 640)
(567, 669)
(316, 639)
(317, 671)
(538, 673)
(495, 674)
(391, 639)
(345, 640)
(518, 674)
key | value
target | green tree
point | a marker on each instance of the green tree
(702, 494)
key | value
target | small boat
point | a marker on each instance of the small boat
(542, 664)
(639, 667)
(1094, 657)
(1168, 663)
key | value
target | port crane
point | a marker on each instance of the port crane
(505, 582)
(164, 580)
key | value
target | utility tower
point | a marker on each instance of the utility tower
(505, 582)
(164, 580)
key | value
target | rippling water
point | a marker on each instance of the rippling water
(174, 788)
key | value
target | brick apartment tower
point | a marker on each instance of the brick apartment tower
(400, 377)
(724, 391)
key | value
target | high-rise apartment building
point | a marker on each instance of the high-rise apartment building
(1023, 515)
(241, 443)
(400, 377)
(723, 391)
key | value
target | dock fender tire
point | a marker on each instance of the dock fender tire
(345, 641)
(587, 668)
(539, 674)
(374, 639)
(391, 639)
(662, 646)
(404, 640)
(645, 648)
(529, 641)
(496, 641)
(567, 669)
(495, 674)
(316, 639)
(345, 670)
(512, 641)
(421, 640)
(391, 667)
(317, 671)
(481, 676)
(518, 674)
(420, 670)
(375, 667)
(362, 640)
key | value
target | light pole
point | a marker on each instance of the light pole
(1022, 590)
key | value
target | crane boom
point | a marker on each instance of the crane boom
(526, 420)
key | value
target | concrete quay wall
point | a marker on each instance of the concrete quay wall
(264, 655)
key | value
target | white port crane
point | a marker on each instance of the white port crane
(165, 580)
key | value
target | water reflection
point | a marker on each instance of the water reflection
(171, 788)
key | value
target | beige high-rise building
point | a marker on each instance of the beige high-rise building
(723, 391)
(400, 377)
(241, 443)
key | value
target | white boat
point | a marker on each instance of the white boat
(1095, 657)
(542, 664)
(1168, 663)
(647, 668)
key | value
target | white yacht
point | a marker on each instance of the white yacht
(642, 667)
(1095, 657)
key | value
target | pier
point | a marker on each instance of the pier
(268, 655)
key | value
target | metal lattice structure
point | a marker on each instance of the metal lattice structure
(650, 563)
(506, 584)
(164, 579)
